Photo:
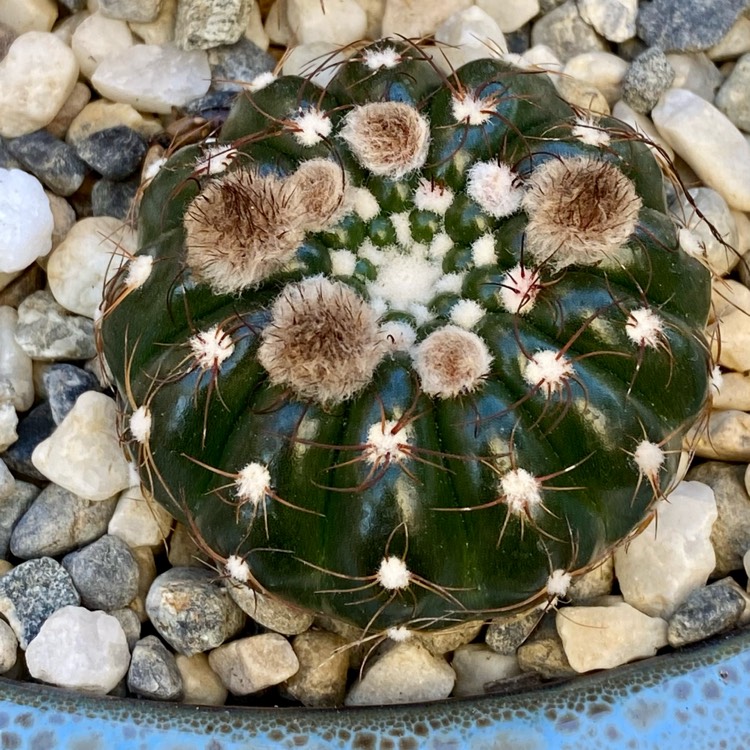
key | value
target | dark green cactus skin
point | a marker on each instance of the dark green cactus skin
(579, 441)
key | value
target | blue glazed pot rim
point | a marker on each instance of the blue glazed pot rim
(696, 698)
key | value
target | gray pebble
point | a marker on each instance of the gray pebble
(47, 331)
(130, 623)
(104, 572)
(706, 612)
(115, 153)
(233, 64)
(733, 98)
(7, 160)
(109, 198)
(566, 33)
(192, 611)
(647, 78)
(32, 429)
(506, 634)
(139, 11)
(153, 671)
(680, 26)
(12, 508)
(58, 522)
(51, 160)
(730, 534)
(64, 383)
(31, 592)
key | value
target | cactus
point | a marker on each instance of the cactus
(411, 350)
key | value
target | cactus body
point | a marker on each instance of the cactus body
(413, 349)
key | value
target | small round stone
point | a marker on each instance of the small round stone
(153, 671)
(104, 572)
(116, 153)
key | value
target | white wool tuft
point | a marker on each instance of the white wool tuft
(385, 444)
(237, 569)
(364, 203)
(405, 280)
(399, 634)
(468, 108)
(215, 159)
(644, 327)
(402, 225)
(548, 368)
(431, 196)
(368, 251)
(393, 573)
(138, 271)
(492, 186)
(343, 262)
(483, 250)
(252, 483)
(450, 282)
(588, 131)
(140, 424)
(399, 335)
(522, 491)
(211, 347)
(558, 582)
(261, 81)
(421, 313)
(440, 245)
(311, 127)
(386, 57)
(649, 458)
(519, 290)
(466, 313)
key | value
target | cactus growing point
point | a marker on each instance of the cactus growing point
(413, 349)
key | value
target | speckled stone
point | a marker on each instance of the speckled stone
(679, 26)
(104, 572)
(47, 331)
(140, 11)
(270, 612)
(12, 508)
(191, 610)
(153, 671)
(202, 24)
(647, 78)
(59, 521)
(706, 612)
(64, 383)
(31, 592)
(52, 161)
(115, 153)
(130, 624)
(506, 634)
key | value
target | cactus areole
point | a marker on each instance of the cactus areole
(411, 350)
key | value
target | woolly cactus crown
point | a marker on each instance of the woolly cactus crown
(411, 349)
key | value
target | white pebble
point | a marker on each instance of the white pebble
(28, 15)
(726, 437)
(412, 20)
(708, 141)
(97, 37)
(602, 70)
(605, 637)
(8, 424)
(406, 673)
(79, 649)
(8, 647)
(673, 555)
(509, 15)
(338, 21)
(201, 685)
(83, 454)
(138, 521)
(36, 77)
(472, 27)
(477, 666)
(613, 19)
(79, 265)
(26, 220)
(7, 481)
(317, 60)
(153, 78)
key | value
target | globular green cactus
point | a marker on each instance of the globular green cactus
(413, 349)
